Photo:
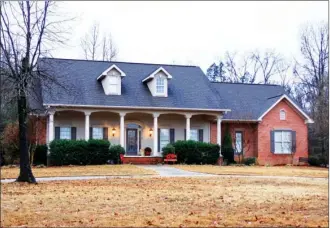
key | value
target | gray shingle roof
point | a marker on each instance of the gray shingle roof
(247, 101)
(189, 88)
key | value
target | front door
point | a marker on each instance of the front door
(131, 141)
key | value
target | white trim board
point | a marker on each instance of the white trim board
(308, 119)
(137, 107)
(113, 66)
(152, 75)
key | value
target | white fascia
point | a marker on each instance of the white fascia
(152, 75)
(110, 68)
(284, 96)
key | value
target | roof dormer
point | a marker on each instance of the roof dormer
(111, 80)
(158, 82)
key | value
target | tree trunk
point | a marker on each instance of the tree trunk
(25, 174)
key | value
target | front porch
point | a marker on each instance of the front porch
(134, 130)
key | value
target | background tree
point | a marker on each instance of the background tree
(244, 70)
(312, 71)
(217, 73)
(95, 47)
(28, 30)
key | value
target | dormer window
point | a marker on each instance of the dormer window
(160, 84)
(111, 80)
(157, 82)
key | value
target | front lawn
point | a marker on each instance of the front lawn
(90, 170)
(258, 170)
(173, 202)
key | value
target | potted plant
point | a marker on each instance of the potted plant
(147, 151)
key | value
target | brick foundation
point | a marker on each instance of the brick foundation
(143, 160)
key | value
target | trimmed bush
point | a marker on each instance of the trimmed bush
(316, 161)
(227, 149)
(250, 161)
(115, 152)
(40, 155)
(193, 152)
(79, 152)
(168, 149)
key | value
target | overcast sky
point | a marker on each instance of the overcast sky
(197, 33)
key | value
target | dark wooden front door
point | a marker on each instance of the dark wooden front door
(131, 141)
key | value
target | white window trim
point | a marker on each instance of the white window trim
(197, 130)
(153, 74)
(242, 143)
(282, 131)
(104, 73)
(101, 132)
(169, 137)
(163, 79)
(282, 111)
(61, 127)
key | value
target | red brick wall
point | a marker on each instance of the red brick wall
(271, 122)
(249, 136)
(142, 160)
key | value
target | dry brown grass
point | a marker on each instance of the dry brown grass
(91, 170)
(299, 171)
(216, 201)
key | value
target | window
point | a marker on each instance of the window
(97, 133)
(65, 133)
(194, 134)
(238, 142)
(160, 84)
(164, 138)
(113, 84)
(283, 142)
(282, 115)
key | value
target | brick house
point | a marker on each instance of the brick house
(140, 105)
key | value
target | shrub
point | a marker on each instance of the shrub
(193, 152)
(40, 155)
(168, 149)
(250, 161)
(79, 152)
(316, 161)
(115, 152)
(227, 149)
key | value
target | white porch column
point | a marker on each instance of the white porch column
(155, 150)
(188, 116)
(87, 114)
(219, 119)
(122, 129)
(51, 126)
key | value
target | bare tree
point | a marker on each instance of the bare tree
(90, 42)
(109, 50)
(313, 74)
(270, 64)
(26, 30)
(244, 71)
(94, 47)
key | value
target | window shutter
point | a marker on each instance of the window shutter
(73, 133)
(293, 136)
(91, 133)
(272, 141)
(158, 146)
(200, 135)
(185, 134)
(57, 133)
(172, 135)
(105, 133)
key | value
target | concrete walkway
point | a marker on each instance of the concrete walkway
(168, 171)
(163, 171)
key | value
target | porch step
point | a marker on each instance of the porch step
(142, 160)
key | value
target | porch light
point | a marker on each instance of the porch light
(150, 132)
(113, 132)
